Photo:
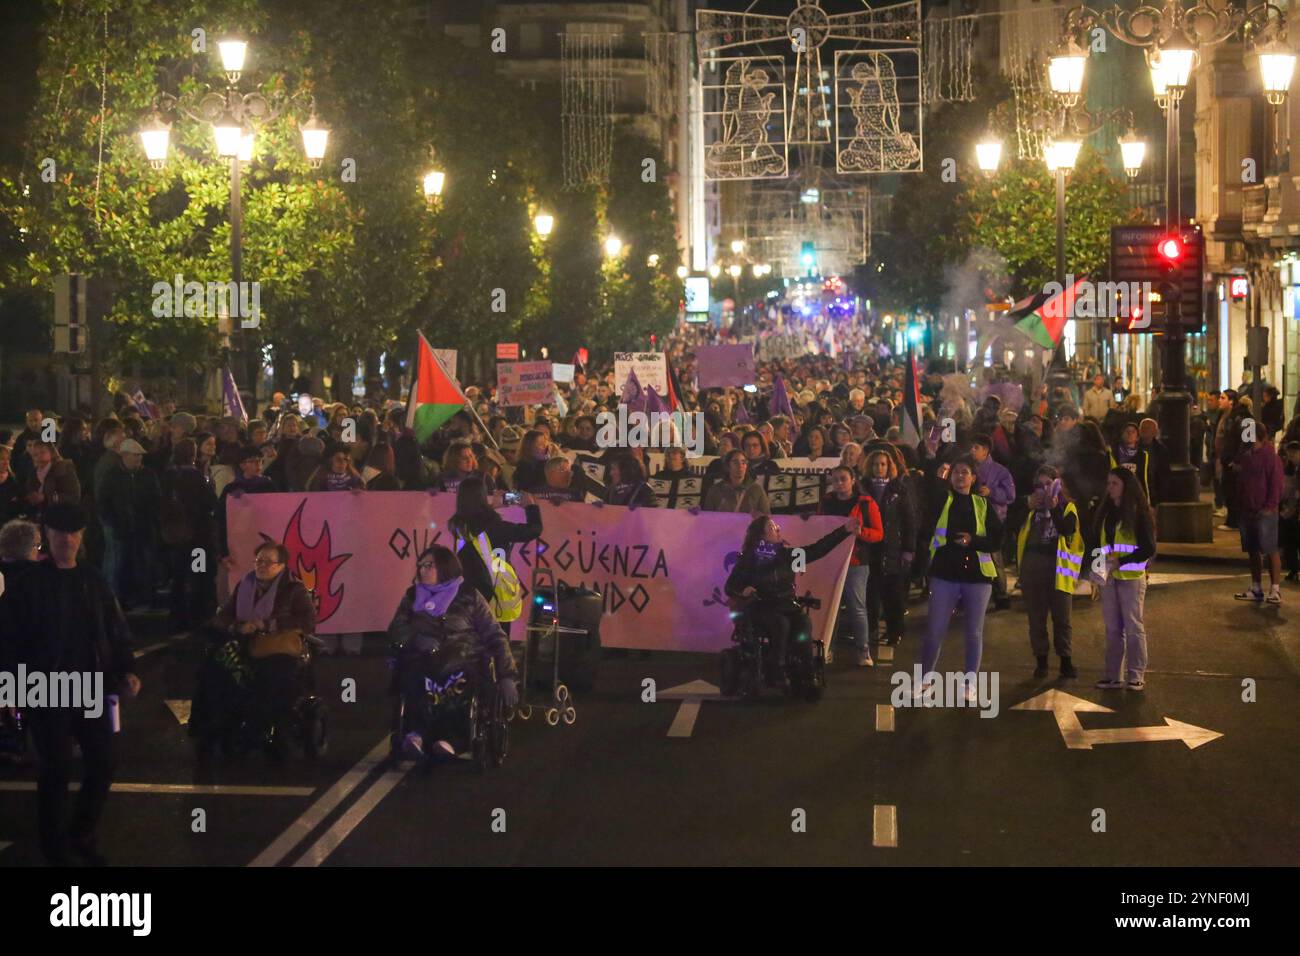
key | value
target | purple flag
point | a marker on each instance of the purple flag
(740, 414)
(652, 401)
(633, 396)
(780, 404)
(142, 404)
(231, 404)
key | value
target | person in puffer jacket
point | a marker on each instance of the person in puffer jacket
(844, 500)
(445, 627)
(891, 559)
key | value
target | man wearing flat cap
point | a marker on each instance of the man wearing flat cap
(65, 619)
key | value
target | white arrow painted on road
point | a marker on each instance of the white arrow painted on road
(1066, 707)
(690, 695)
(180, 710)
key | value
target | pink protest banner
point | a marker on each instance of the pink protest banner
(661, 571)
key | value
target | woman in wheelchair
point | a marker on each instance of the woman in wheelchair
(257, 654)
(448, 637)
(763, 578)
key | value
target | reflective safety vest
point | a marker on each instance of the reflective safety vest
(1139, 473)
(941, 533)
(1125, 543)
(1069, 551)
(507, 593)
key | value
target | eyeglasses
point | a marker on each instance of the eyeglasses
(265, 563)
(424, 565)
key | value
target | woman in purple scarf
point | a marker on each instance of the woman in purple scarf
(445, 627)
(266, 600)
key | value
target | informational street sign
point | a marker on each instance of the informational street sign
(525, 383)
(508, 351)
(1135, 257)
(697, 294)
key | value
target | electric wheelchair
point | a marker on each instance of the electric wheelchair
(448, 695)
(751, 664)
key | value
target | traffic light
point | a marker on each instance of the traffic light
(1169, 249)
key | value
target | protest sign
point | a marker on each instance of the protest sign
(724, 366)
(660, 572)
(508, 351)
(651, 370)
(563, 372)
(525, 383)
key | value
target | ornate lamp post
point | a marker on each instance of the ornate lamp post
(234, 117)
(1172, 33)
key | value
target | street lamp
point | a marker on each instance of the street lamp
(233, 51)
(228, 131)
(988, 154)
(154, 136)
(234, 117)
(315, 136)
(1132, 151)
(434, 180)
(683, 272)
(544, 223)
(613, 247)
(1065, 72)
(652, 260)
(737, 246)
(1276, 66)
(715, 270)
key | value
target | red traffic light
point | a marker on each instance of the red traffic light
(1170, 249)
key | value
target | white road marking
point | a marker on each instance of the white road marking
(329, 841)
(216, 789)
(690, 694)
(884, 718)
(1065, 708)
(684, 722)
(311, 818)
(884, 825)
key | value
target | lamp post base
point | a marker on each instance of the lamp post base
(1185, 522)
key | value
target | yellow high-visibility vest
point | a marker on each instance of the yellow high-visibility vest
(1146, 467)
(941, 533)
(1069, 552)
(1125, 543)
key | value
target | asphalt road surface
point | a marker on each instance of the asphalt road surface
(848, 780)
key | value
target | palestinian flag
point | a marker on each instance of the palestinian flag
(674, 396)
(911, 419)
(1043, 317)
(435, 396)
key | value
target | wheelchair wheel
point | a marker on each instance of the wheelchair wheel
(315, 728)
(499, 736)
(478, 735)
(729, 672)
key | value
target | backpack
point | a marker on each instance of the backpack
(507, 592)
(173, 520)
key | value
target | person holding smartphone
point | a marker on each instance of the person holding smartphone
(967, 532)
(1049, 553)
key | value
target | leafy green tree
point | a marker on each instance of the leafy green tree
(1014, 213)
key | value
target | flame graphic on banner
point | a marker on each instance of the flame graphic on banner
(314, 565)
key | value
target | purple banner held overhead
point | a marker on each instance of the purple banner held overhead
(724, 366)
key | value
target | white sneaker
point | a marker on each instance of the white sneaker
(922, 689)
(1274, 595)
(1220, 512)
(971, 696)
